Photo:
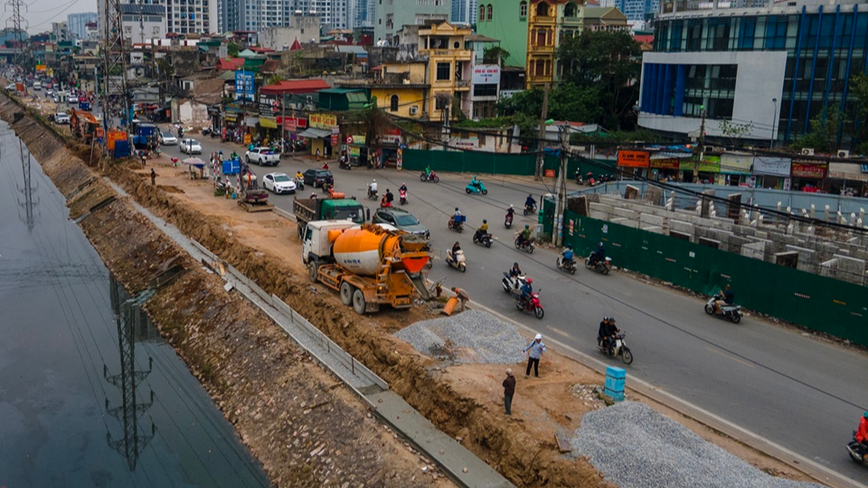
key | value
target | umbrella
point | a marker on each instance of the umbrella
(194, 162)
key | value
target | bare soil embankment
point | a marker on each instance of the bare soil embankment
(300, 422)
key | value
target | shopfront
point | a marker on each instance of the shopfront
(320, 131)
(358, 151)
(708, 169)
(848, 179)
(664, 169)
(634, 164)
(390, 143)
(808, 176)
(772, 172)
(735, 169)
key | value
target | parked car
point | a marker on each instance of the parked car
(72, 100)
(401, 219)
(190, 146)
(61, 118)
(168, 139)
(11, 87)
(316, 177)
(279, 183)
(263, 156)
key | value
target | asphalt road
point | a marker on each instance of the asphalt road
(780, 384)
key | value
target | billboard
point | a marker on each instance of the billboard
(244, 86)
(634, 159)
(772, 166)
(323, 121)
(484, 74)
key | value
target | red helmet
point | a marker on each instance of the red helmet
(529, 281)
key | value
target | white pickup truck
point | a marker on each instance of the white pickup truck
(263, 156)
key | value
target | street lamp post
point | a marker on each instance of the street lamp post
(774, 121)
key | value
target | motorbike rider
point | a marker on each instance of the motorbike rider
(372, 187)
(599, 254)
(298, 175)
(389, 197)
(862, 431)
(428, 172)
(526, 290)
(476, 183)
(728, 299)
(455, 216)
(610, 336)
(482, 230)
(524, 236)
(529, 202)
(455, 248)
(403, 188)
(568, 255)
(515, 272)
(511, 211)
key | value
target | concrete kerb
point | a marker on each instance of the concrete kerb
(804, 465)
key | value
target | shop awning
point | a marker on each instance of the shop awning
(312, 133)
(268, 123)
(230, 118)
(251, 121)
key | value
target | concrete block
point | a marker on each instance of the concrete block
(650, 219)
(599, 215)
(850, 269)
(601, 209)
(631, 193)
(735, 243)
(755, 250)
(743, 230)
(624, 213)
(626, 222)
(828, 268)
(652, 228)
(680, 235)
(807, 258)
(704, 241)
(789, 259)
(681, 227)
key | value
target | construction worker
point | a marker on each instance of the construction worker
(462, 296)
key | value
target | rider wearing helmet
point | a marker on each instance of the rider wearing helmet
(515, 271)
(526, 290)
(510, 210)
(599, 254)
(529, 202)
(455, 216)
(524, 236)
(482, 230)
(611, 334)
(372, 187)
(568, 254)
(862, 431)
(403, 187)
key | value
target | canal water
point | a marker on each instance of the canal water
(90, 396)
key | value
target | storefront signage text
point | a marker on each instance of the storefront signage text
(323, 121)
(809, 170)
(634, 159)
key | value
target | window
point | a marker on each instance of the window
(393, 103)
(485, 90)
(444, 72)
(440, 103)
(522, 9)
(481, 13)
(542, 9)
(570, 10)
(489, 11)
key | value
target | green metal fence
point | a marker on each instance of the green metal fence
(496, 163)
(816, 302)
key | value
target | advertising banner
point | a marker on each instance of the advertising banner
(244, 87)
(805, 169)
(771, 166)
(323, 121)
(670, 163)
(734, 163)
(486, 74)
(634, 159)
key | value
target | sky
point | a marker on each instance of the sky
(41, 13)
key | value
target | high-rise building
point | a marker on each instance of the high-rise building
(77, 24)
(187, 16)
(255, 15)
(392, 15)
(773, 68)
(464, 11)
(60, 31)
(362, 13)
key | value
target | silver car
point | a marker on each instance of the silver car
(190, 146)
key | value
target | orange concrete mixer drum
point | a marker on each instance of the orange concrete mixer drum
(361, 250)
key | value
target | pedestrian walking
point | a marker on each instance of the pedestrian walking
(508, 391)
(536, 348)
(153, 177)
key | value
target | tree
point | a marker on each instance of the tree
(734, 132)
(232, 50)
(859, 91)
(823, 136)
(494, 55)
(566, 102)
(609, 62)
(275, 79)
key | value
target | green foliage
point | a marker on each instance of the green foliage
(493, 123)
(734, 132)
(823, 136)
(566, 102)
(609, 62)
(494, 55)
(615, 137)
(232, 50)
(859, 90)
(275, 79)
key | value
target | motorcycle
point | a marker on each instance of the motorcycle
(344, 163)
(402, 195)
(512, 284)
(857, 451)
(476, 188)
(457, 224)
(299, 183)
(527, 246)
(529, 209)
(385, 203)
(206, 131)
(731, 312)
(484, 239)
(619, 348)
(432, 177)
(579, 178)
(532, 304)
(507, 221)
(603, 266)
(570, 266)
(457, 261)
(372, 194)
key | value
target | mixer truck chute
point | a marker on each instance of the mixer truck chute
(368, 265)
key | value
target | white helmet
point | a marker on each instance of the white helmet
(374, 180)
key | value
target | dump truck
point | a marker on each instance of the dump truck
(368, 265)
(84, 125)
(310, 209)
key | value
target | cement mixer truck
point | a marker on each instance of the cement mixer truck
(368, 265)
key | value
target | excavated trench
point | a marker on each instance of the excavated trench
(209, 329)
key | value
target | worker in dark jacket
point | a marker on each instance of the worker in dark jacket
(508, 391)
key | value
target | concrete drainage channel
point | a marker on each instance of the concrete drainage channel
(461, 465)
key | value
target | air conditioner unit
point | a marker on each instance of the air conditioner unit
(710, 149)
(843, 153)
(414, 110)
(808, 151)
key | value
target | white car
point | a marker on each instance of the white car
(71, 100)
(190, 146)
(279, 183)
(61, 118)
(168, 139)
(262, 156)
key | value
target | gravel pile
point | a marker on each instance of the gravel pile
(634, 446)
(488, 339)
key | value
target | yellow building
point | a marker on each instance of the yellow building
(450, 65)
(401, 88)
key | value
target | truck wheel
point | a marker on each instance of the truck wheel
(312, 269)
(359, 303)
(346, 293)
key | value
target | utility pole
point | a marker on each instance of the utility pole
(19, 25)
(542, 134)
(558, 227)
(115, 67)
(701, 145)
